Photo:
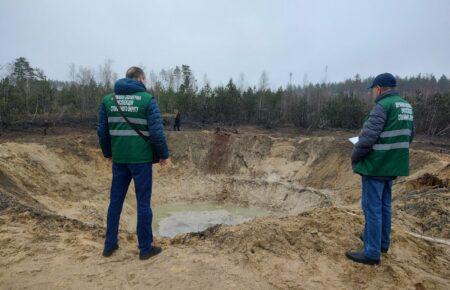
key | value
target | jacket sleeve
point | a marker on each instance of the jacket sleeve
(104, 139)
(370, 133)
(156, 130)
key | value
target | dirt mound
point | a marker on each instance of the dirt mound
(320, 162)
(54, 195)
(428, 211)
(23, 213)
(296, 252)
(68, 176)
(431, 180)
(62, 183)
(307, 251)
(219, 155)
(316, 162)
(276, 196)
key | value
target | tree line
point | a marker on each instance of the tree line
(27, 95)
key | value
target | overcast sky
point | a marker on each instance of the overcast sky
(224, 38)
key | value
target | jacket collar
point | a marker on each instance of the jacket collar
(128, 86)
(385, 94)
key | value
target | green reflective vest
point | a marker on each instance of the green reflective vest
(126, 145)
(390, 155)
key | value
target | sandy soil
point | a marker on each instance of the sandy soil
(54, 194)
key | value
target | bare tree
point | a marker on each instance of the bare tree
(105, 73)
(167, 78)
(40, 77)
(263, 85)
(206, 80)
(72, 72)
(177, 78)
(86, 80)
(241, 82)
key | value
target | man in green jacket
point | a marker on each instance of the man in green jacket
(132, 155)
(380, 155)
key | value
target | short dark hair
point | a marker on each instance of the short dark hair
(134, 72)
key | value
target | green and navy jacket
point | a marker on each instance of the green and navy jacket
(117, 139)
(383, 146)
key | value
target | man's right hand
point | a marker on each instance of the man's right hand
(164, 162)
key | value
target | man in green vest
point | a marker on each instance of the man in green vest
(131, 132)
(380, 155)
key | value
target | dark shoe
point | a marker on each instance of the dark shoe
(107, 253)
(360, 257)
(384, 251)
(153, 252)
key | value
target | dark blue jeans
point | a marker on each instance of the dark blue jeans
(376, 206)
(141, 173)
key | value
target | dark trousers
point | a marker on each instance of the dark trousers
(176, 127)
(376, 206)
(141, 173)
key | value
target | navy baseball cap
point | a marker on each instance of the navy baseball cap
(384, 80)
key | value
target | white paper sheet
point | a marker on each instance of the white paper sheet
(354, 140)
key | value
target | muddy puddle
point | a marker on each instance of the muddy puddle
(176, 218)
